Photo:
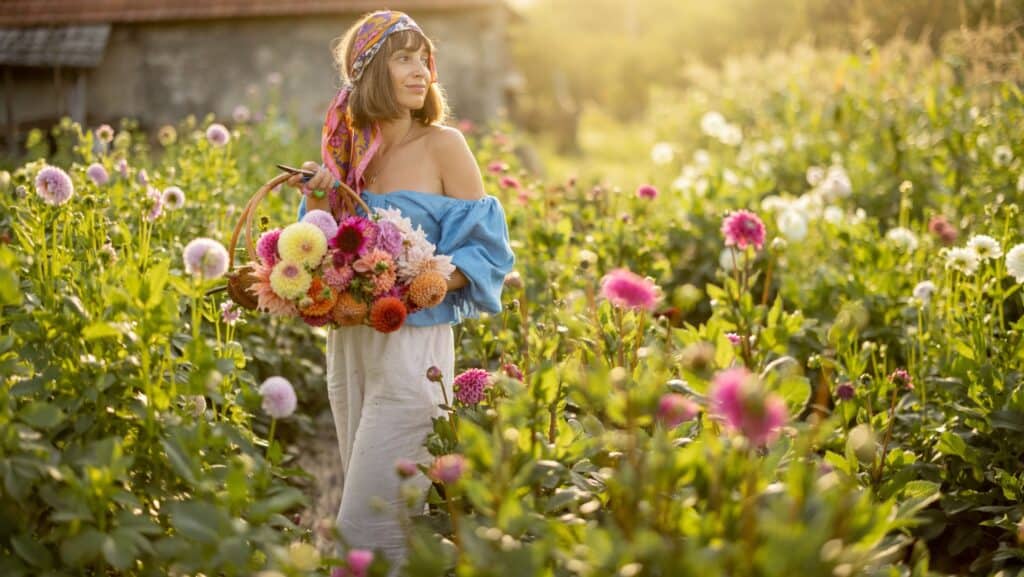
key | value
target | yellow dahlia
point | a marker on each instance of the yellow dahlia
(428, 289)
(289, 280)
(268, 300)
(302, 243)
(348, 311)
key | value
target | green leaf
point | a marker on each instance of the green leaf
(920, 489)
(100, 330)
(179, 460)
(42, 415)
(951, 444)
(82, 548)
(32, 551)
(9, 292)
(197, 521)
(119, 551)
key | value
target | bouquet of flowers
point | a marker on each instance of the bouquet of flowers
(372, 270)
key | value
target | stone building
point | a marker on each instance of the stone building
(159, 60)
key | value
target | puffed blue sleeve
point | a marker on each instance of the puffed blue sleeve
(475, 234)
(302, 209)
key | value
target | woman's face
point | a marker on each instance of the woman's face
(410, 76)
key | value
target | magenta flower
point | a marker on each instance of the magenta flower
(470, 385)
(447, 469)
(738, 398)
(98, 174)
(901, 378)
(278, 397)
(217, 135)
(357, 564)
(205, 258)
(229, 313)
(322, 220)
(845, 391)
(647, 191)
(266, 246)
(353, 238)
(734, 338)
(675, 409)
(629, 290)
(54, 185)
(497, 167)
(509, 182)
(743, 228)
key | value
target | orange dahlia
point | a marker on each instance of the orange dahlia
(324, 298)
(387, 314)
(348, 311)
(428, 289)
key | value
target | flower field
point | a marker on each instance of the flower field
(776, 330)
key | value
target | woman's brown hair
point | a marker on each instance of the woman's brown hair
(373, 98)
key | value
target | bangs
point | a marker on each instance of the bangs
(407, 40)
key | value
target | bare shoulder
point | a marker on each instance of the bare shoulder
(460, 174)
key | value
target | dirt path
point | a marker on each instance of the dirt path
(321, 460)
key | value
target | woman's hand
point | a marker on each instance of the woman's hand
(322, 180)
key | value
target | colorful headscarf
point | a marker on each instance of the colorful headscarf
(347, 150)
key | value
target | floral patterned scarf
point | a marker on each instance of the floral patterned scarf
(347, 150)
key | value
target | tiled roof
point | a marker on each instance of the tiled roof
(20, 13)
(80, 46)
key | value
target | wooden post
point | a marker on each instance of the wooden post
(12, 122)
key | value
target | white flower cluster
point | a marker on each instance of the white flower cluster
(418, 254)
(980, 248)
(793, 215)
(714, 125)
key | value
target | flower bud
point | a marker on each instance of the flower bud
(434, 374)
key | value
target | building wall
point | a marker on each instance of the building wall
(161, 72)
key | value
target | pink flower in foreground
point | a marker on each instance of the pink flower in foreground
(647, 191)
(738, 398)
(470, 385)
(54, 185)
(675, 409)
(357, 564)
(447, 469)
(629, 290)
(353, 238)
(743, 228)
(266, 246)
(278, 397)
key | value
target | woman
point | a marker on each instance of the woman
(384, 138)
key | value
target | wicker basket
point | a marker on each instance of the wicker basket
(240, 278)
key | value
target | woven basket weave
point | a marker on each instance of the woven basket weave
(241, 278)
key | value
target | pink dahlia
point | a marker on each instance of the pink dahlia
(675, 409)
(98, 174)
(743, 228)
(338, 277)
(629, 290)
(278, 397)
(353, 238)
(447, 469)
(389, 238)
(470, 386)
(205, 258)
(357, 564)
(217, 135)
(266, 247)
(647, 191)
(54, 185)
(738, 398)
(267, 300)
(509, 182)
(322, 220)
(379, 264)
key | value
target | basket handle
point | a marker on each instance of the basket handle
(350, 197)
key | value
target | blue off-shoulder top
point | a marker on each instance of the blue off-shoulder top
(473, 232)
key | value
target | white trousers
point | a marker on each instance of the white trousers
(382, 404)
